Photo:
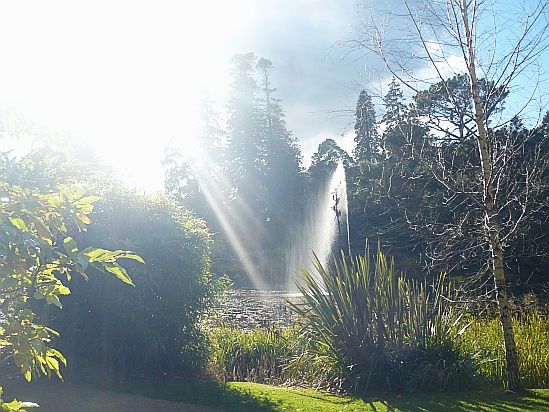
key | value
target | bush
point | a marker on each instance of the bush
(383, 331)
(152, 329)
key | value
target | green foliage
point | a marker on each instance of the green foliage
(483, 339)
(15, 405)
(368, 145)
(152, 329)
(258, 355)
(380, 328)
(36, 253)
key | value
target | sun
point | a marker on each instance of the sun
(126, 77)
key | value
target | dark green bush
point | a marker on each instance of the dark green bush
(150, 329)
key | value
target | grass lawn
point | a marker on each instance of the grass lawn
(241, 396)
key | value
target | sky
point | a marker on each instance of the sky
(127, 76)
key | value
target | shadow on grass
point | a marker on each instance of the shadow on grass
(254, 397)
(530, 400)
(198, 392)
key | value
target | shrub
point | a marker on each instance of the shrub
(381, 330)
(152, 329)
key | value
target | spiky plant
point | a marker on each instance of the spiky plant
(378, 326)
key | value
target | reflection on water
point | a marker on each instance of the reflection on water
(248, 309)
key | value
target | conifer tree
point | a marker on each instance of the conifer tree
(366, 135)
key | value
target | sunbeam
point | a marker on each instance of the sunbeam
(212, 188)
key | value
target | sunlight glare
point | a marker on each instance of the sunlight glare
(213, 192)
(127, 77)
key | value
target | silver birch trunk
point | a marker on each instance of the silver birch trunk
(491, 220)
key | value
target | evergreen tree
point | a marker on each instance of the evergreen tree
(284, 183)
(184, 175)
(283, 180)
(388, 189)
(209, 133)
(245, 151)
(394, 118)
(366, 136)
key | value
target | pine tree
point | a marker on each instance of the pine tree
(245, 150)
(366, 136)
(284, 179)
(394, 119)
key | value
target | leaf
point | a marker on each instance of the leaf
(134, 257)
(83, 218)
(70, 247)
(52, 363)
(56, 353)
(79, 193)
(18, 223)
(42, 230)
(63, 290)
(94, 254)
(53, 299)
(83, 261)
(119, 272)
(29, 405)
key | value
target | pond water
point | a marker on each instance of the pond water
(248, 309)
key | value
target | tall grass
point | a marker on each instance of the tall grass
(483, 339)
(262, 356)
(384, 331)
(249, 356)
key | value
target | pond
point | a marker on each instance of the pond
(248, 309)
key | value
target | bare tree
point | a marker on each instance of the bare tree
(422, 45)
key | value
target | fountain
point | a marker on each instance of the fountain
(324, 227)
(324, 230)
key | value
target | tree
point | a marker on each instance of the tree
(366, 136)
(435, 34)
(364, 176)
(38, 256)
(245, 150)
(284, 180)
(379, 193)
(325, 160)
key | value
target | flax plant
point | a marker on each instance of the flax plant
(380, 327)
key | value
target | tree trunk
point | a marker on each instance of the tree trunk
(491, 221)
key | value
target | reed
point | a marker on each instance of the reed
(483, 340)
(256, 356)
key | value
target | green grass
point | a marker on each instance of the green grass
(241, 396)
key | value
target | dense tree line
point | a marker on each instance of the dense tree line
(249, 184)
(399, 194)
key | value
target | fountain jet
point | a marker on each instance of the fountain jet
(324, 228)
